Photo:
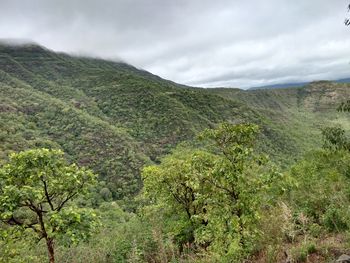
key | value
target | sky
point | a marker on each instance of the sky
(203, 43)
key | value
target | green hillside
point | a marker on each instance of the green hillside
(109, 116)
(298, 113)
(213, 199)
(114, 118)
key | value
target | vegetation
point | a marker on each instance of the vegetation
(184, 174)
(114, 118)
(214, 197)
(37, 187)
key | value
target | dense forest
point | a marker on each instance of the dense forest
(104, 162)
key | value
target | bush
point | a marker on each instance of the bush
(336, 218)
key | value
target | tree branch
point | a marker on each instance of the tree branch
(47, 194)
(13, 222)
(69, 197)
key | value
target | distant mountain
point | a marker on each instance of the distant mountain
(295, 85)
(343, 80)
(281, 86)
(114, 118)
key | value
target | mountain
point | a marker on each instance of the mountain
(294, 85)
(347, 80)
(114, 118)
(297, 113)
(109, 116)
(281, 86)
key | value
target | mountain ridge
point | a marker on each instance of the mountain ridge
(114, 118)
(297, 84)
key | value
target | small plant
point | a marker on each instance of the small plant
(315, 230)
(301, 253)
(335, 219)
(311, 248)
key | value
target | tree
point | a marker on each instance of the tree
(344, 106)
(322, 190)
(335, 139)
(36, 192)
(238, 179)
(177, 185)
(216, 192)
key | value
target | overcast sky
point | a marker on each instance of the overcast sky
(208, 43)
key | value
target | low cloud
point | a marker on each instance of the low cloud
(199, 42)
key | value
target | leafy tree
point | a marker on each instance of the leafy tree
(322, 193)
(36, 190)
(216, 194)
(236, 182)
(178, 186)
(335, 139)
(344, 106)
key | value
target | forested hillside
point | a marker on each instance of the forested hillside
(108, 116)
(114, 118)
(110, 163)
(297, 113)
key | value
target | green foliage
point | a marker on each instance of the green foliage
(344, 106)
(177, 186)
(113, 118)
(37, 187)
(122, 237)
(107, 116)
(335, 139)
(292, 117)
(238, 179)
(322, 192)
(214, 198)
(300, 254)
(336, 219)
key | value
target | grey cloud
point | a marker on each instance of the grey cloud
(235, 43)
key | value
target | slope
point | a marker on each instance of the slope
(299, 113)
(109, 116)
(114, 118)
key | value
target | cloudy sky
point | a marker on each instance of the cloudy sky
(208, 43)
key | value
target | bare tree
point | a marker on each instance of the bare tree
(347, 20)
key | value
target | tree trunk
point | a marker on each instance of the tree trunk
(50, 249)
(49, 241)
(241, 228)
